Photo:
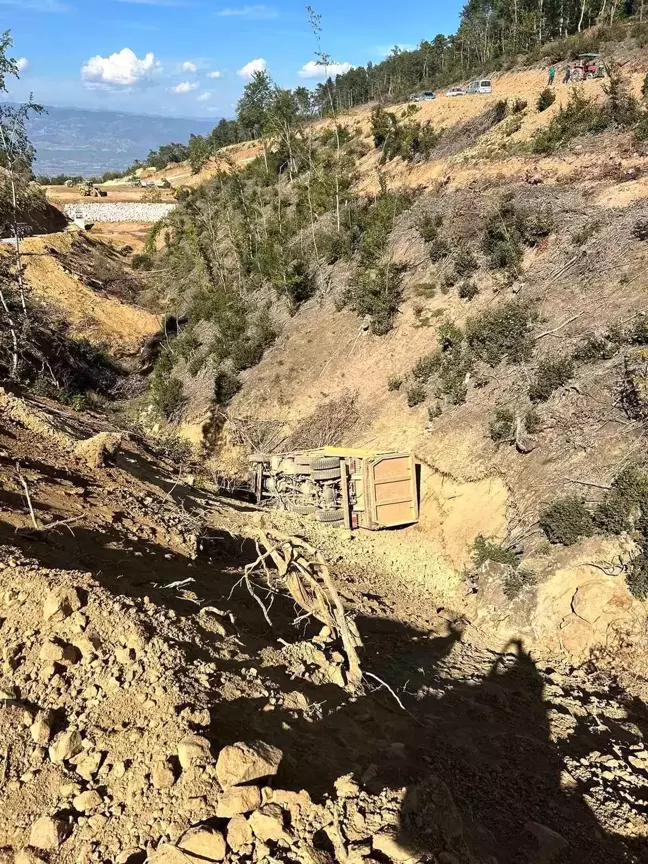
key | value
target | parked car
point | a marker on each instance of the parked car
(456, 91)
(425, 96)
(481, 86)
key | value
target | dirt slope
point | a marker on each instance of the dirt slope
(84, 284)
(133, 657)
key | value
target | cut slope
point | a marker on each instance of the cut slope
(82, 282)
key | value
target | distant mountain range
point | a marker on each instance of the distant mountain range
(78, 141)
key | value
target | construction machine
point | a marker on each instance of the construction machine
(340, 486)
(88, 190)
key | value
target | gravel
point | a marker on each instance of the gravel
(119, 212)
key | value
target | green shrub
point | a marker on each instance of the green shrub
(637, 576)
(516, 580)
(550, 375)
(166, 393)
(644, 86)
(498, 112)
(226, 386)
(377, 292)
(428, 226)
(426, 366)
(438, 249)
(465, 263)
(468, 290)
(434, 411)
(532, 421)
(597, 348)
(501, 332)
(501, 427)
(142, 261)
(484, 550)
(580, 237)
(625, 503)
(546, 98)
(416, 394)
(519, 105)
(329, 138)
(566, 521)
(394, 383)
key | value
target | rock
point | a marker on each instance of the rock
(67, 745)
(61, 603)
(97, 822)
(94, 451)
(167, 853)
(347, 787)
(430, 804)
(47, 833)
(241, 762)
(194, 750)
(204, 843)
(548, 842)
(389, 844)
(162, 775)
(89, 766)
(59, 652)
(590, 598)
(237, 800)
(41, 728)
(576, 635)
(239, 833)
(27, 856)
(88, 801)
(267, 824)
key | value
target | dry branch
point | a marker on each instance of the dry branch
(302, 572)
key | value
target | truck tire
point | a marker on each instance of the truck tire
(301, 509)
(330, 517)
(327, 474)
(324, 463)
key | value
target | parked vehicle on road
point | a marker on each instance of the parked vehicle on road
(340, 486)
(456, 91)
(586, 67)
(425, 96)
(483, 85)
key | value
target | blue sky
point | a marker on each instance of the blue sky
(191, 58)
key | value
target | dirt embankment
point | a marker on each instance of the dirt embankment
(85, 285)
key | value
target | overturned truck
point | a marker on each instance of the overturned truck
(339, 486)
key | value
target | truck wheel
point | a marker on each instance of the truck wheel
(301, 509)
(324, 463)
(327, 474)
(331, 517)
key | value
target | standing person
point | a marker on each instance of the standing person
(567, 77)
(552, 75)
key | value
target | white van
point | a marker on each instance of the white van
(482, 86)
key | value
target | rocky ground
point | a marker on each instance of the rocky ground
(120, 211)
(150, 711)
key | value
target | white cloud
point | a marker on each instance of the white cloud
(257, 12)
(37, 5)
(313, 69)
(204, 97)
(124, 68)
(188, 66)
(258, 65)
(215, 74)
(185, 87)
(22, 63)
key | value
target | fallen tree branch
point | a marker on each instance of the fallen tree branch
(25, 487)
(560, 326)
(588, 483)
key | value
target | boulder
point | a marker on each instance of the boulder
(27, 856)
(41, 728)
(67, 745)
(162, 774)
(203, 843)
(237, 800)
(239, 834)
(61, 603)
(88, 801)
(241, 762)
(390, 845)
(94, 451)
(194, 750)
(47, 833)
(267, 824)
(549, 844)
